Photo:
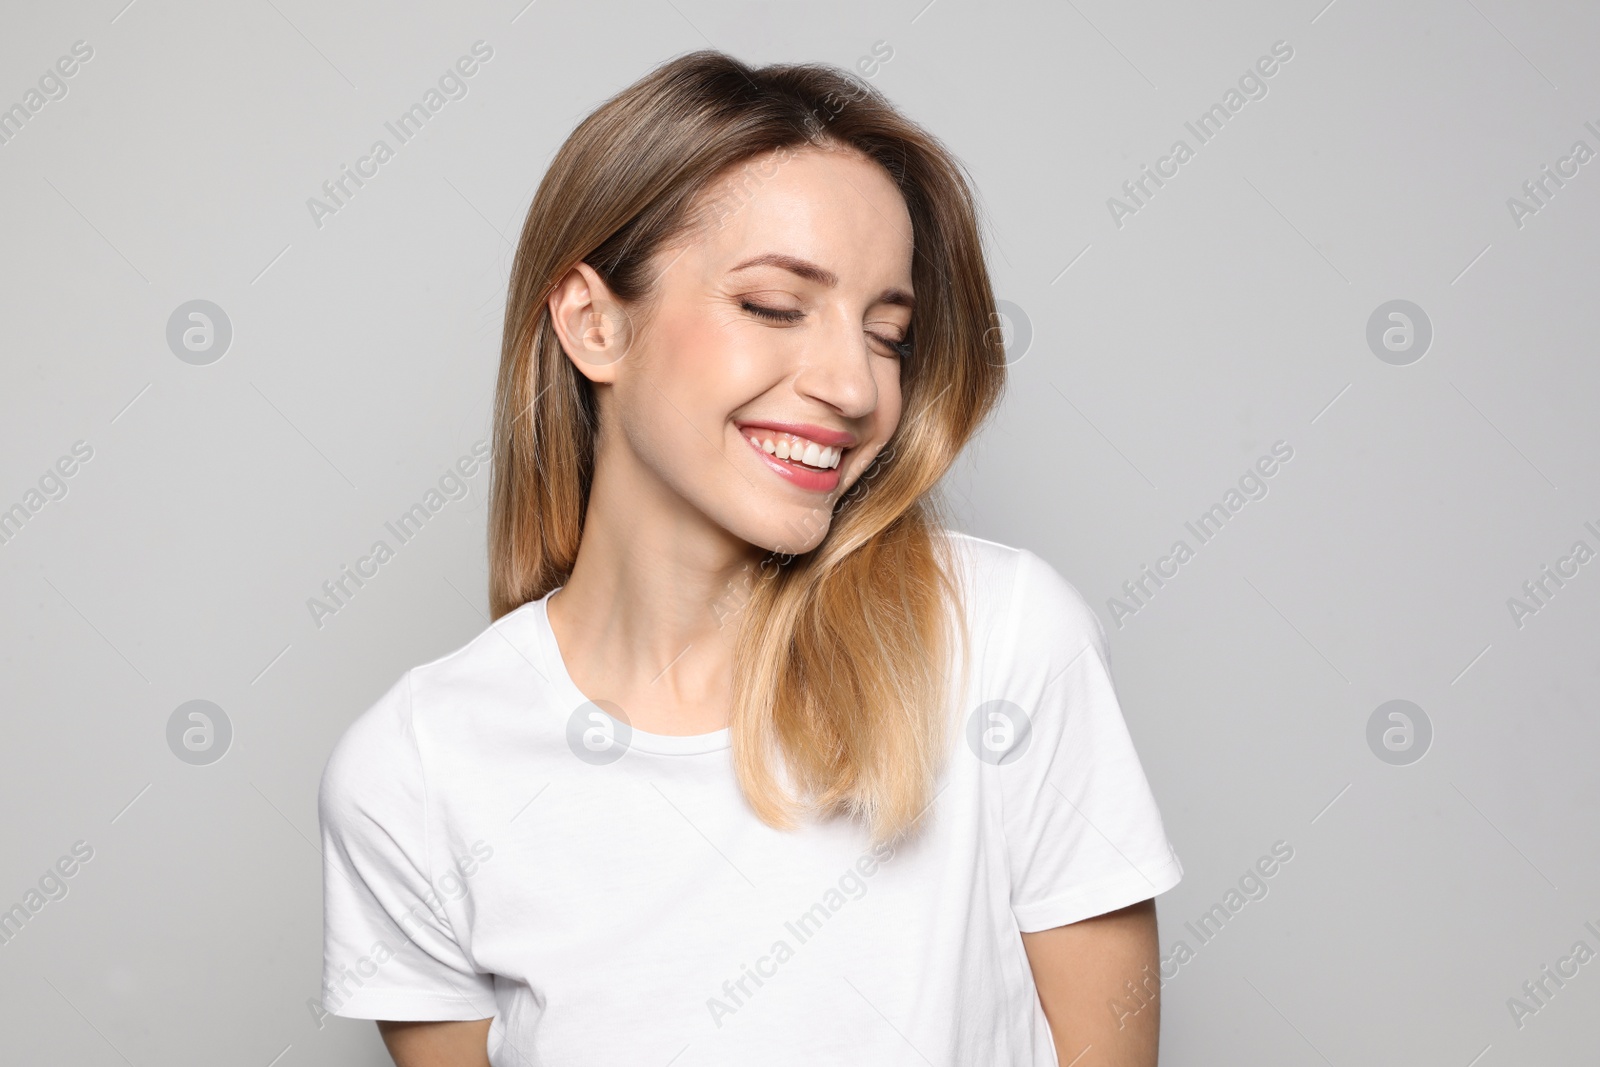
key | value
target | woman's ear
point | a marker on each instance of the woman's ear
(590, 323)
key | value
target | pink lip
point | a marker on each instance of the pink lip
(817, 481)
(835, 438)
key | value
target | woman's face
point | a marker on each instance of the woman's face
(765, 376)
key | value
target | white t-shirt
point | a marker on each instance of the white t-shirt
(494, 845)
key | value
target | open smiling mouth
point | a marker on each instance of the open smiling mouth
(805, 463)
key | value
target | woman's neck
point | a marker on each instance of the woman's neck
(649, 616)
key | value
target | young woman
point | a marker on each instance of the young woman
(758, 764)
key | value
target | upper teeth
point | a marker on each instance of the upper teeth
(798, 449)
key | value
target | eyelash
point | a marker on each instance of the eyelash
(901, 348)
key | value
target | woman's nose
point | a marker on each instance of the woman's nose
(836, 369)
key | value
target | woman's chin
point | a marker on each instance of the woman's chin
(784, 530)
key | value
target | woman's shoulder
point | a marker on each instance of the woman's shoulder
(373, 769)
(505, 661)
(462, 695)
(1016, 594)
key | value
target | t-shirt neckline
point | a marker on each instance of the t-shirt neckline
(573, 697)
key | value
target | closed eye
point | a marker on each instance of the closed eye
(901, 349)
(776, 314)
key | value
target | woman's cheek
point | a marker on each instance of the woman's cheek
(734, 356)
(889, 388)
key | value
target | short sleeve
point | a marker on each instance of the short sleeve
(389, 949)
(1083, 834)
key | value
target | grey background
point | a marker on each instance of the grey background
(1166, 355)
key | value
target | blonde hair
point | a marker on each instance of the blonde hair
(842, 651)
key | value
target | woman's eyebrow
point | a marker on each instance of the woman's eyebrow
(821, 275)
